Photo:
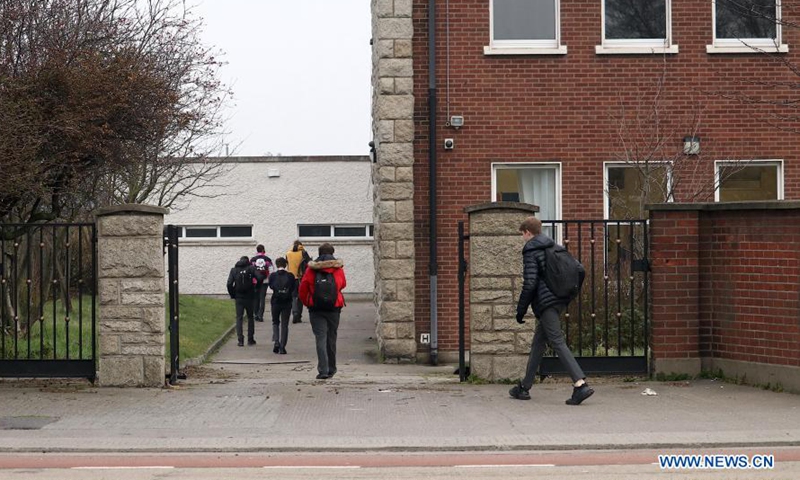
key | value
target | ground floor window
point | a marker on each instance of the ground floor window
(215, 231)
(749, 181)
(534, 183)
(322, 231)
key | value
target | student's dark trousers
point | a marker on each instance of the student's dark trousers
(548, 329)
(245, 305)
(325, 325)
(280, 322)
(260, 301)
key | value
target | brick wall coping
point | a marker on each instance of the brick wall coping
(131, 208)
(726, 206)
(524, 207)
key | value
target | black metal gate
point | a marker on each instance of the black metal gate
(607, 326)
(171, 235)
(48, 291)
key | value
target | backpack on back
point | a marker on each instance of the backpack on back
(325, 292)
(243, 281)
(563, 273)
(282, 293)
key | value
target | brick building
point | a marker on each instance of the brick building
(562, 101)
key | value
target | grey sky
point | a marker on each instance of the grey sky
(300, 73)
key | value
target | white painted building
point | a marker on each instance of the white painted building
(274, 201)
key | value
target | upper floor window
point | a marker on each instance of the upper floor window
(744, 26)
(525, 26)
(749, 181)
(637, 26)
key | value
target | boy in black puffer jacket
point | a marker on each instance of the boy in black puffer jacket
(242, 287)
(547, 308)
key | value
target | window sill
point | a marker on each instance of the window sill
(489, 50)
(783, 48)
(633, 50)
(219, 242)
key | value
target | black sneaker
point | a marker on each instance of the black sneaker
(297, 320)
(322, 376)
(331, 374)
(276, 348)
(241, 344)
(259, 319)
(252, 341)
(579, 394)
(282, 351)
(519, 392)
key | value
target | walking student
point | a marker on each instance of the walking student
(547, 308)
(263, 265)
(242, 287)
(282, 284)
(298, 260)
(321, 291)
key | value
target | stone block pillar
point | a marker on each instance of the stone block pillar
(393, 177)
(131, 322)
(499, 346)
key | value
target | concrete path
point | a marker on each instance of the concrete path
(249, 399)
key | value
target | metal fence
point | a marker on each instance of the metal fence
(48, 291)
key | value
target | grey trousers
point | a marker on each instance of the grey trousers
(325, 325)
(280, 322)
(260, 301)
(297, 308)
(244, 305)
(548, 330)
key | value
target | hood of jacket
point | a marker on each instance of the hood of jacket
(325, 261)
(242, 263)
(539, 242)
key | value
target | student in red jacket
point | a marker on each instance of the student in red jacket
(321, 291)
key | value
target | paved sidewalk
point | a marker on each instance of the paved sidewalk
(249, 399)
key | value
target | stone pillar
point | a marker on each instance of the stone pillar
(131, 325)
(498, 345)
(393, 177)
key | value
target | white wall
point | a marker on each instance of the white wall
(309, 190)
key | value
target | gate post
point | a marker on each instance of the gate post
(131, 330)
(499, 346)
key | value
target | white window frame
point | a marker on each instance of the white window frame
(747, 45)
(636, 46)
(607, 201)
(748, 163)
(332, 227)
(495, 166)
(217, 238)
(525, 47)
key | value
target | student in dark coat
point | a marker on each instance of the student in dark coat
(282, 284)
(242, 287)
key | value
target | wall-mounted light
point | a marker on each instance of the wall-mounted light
(456, 121)
(373, 152)
(691, 145)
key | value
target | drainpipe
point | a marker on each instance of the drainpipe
(433, 266)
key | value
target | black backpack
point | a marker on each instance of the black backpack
(243, 281)
(282, 293)
(325, 292)
(563, 273)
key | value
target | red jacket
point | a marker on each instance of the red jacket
(336, 267)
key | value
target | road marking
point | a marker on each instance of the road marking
(122, 468)
(507, 465)
(313, 466)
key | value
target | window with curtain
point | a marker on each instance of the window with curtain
(533, 184)
(527, 23)
(744, 182)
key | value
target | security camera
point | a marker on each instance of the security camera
(449, 143)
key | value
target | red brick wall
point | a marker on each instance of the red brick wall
(747, 306)
(557, 108)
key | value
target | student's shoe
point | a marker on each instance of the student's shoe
(276, 348)
(241, 344)
(323, 376)
(579, 394)
(282, 351)
(252, 341)
(259, 319)
(331, 374)
(519, 392)
(297, 320)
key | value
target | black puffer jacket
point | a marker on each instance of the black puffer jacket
(534, 289)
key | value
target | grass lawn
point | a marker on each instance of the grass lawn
(202, 321)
